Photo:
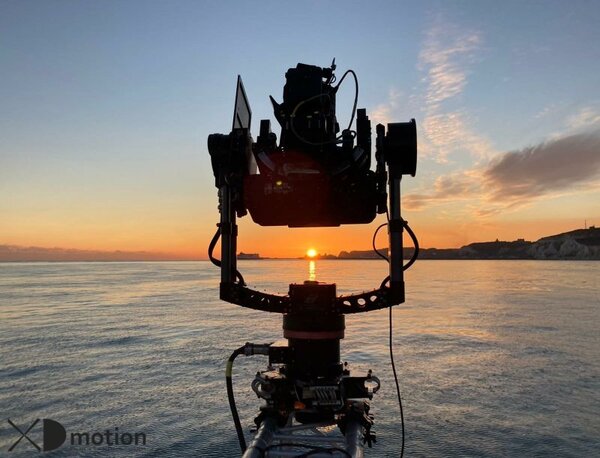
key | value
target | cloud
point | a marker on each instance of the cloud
(448, 133)
(443, 57)
(538, 170)
(518, 178)
(585, 118)
(444, 60)
(568, 162)
(453, 187)
(384, 113)
(548, 109)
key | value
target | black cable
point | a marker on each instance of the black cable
(384, 282)
(396, 381)
(211, 248)
(381, 255)
(415, 241)
(293, 127)
(240, 278)
(414, 256)
(355, 93)
(391, 334)
(231, 399)
(217, 262)
(337, 139)
(391, 326)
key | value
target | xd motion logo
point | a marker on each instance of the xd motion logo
(54, 435)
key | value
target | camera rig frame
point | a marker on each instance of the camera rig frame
(305, 381)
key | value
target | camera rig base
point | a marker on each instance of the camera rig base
(320, 439)
(306, 388)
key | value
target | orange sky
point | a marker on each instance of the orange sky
(190, 240)
(105, 119)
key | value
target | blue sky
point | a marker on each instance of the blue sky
(106, 107)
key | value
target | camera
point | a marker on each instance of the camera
(318, 175)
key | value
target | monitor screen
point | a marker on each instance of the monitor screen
(242, 115)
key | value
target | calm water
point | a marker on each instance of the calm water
(496, 358)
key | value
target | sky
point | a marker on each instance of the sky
(105, 109)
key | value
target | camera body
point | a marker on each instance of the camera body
(316, 176)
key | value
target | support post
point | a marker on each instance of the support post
(396, 228)
(228, 230)
(262, 439)
(354, 439)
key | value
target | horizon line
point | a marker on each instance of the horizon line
(21, 253)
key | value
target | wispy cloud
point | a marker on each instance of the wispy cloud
(548, 109)
(444, 56)
(567, 162)
(456, 186)
(384, 113)
(445, 60)
(446, 133)
(585, 118)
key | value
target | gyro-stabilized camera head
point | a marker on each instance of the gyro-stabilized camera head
(318, 175)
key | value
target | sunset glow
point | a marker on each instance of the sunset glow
(311, 252)
(502, 155)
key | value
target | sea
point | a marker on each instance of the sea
(494, 358)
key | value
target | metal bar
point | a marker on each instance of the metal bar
(262, 439)
(396, 244)
(269, 435)
(354, 439)
(301, 427)
(306, 438)
(292, 453)
(228, 256)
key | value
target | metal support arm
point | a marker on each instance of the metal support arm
(266, 302)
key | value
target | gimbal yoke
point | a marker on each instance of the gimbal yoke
(310, 181)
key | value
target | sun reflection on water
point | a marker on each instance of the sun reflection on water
(312, 270)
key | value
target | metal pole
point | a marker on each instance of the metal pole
(354, 439)
(262, 439)
(396, 227)
(228, 237)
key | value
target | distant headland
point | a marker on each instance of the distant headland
(16, 253)
(580, 244)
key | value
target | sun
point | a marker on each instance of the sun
(311, 253)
